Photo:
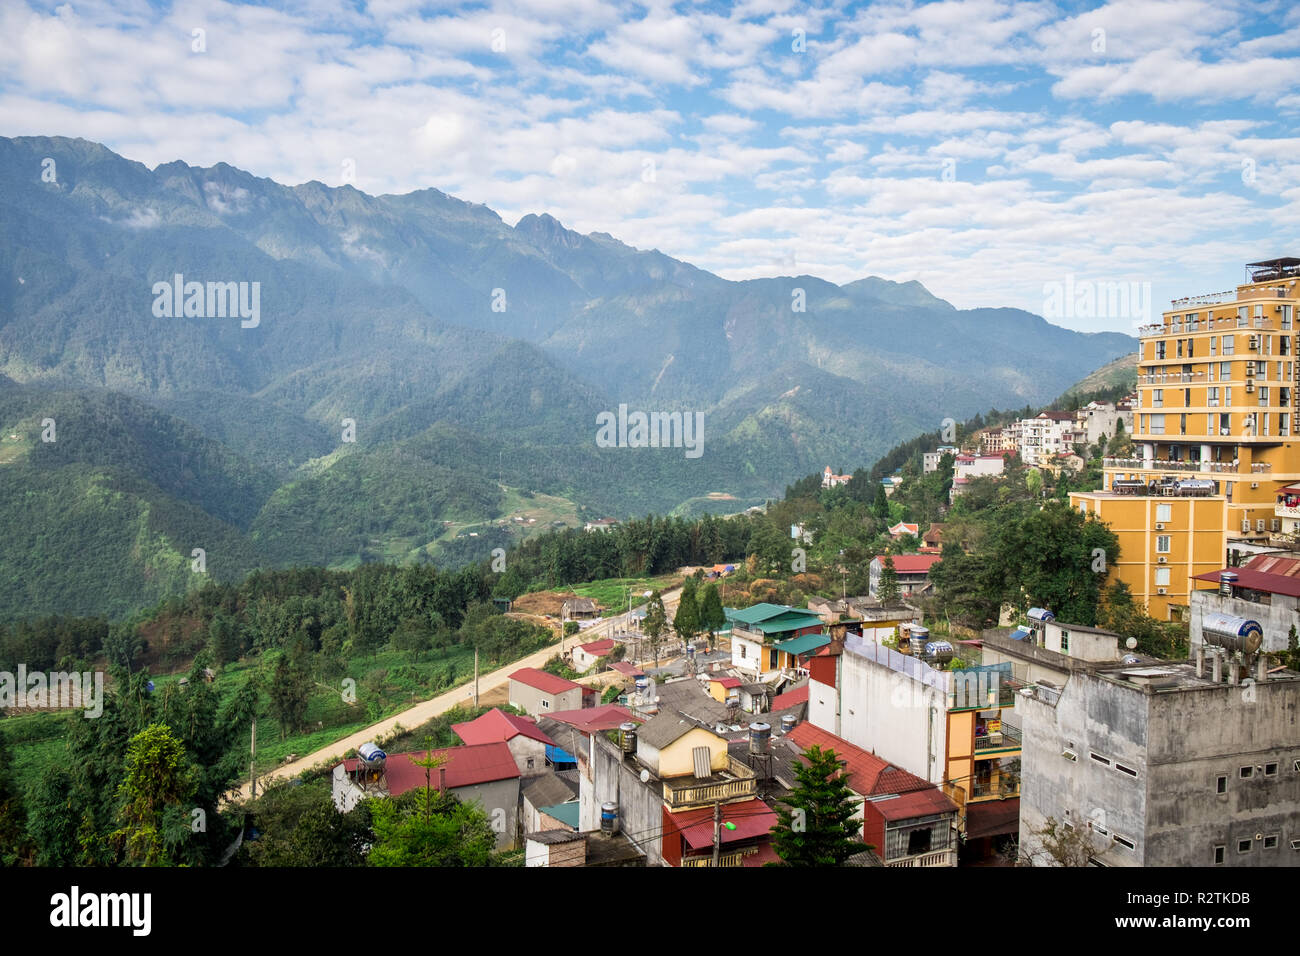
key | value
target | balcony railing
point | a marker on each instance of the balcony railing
(1206, 325)
(1208, 298)
(1006, 739)
(734, 858)
(1213, 467)
(737, 781)
(941, 858)
(1007, 785)
(1161, 378)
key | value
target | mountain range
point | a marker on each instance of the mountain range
(418, 368)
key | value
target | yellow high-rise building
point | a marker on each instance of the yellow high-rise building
(1214, 436)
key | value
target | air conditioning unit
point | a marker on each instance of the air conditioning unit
(1259, 526)
(1254, 484)
(1162, 590)
(1159, 526)
(1276, 525)
(1069, 755)
(1254, 343)
(1162, 560)
(1250, 386)
(1250, 368)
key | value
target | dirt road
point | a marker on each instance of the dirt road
(426, 710)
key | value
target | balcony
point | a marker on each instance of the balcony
(1208, 298)
(940, 858)
(1163, 378)
(1006, 739)
(732, 858)
(1001, 786)
(737, 782)
(1209, 467)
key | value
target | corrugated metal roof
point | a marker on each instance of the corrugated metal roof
(543, 681)
(464, 767)
(803, 644)
(497, 725)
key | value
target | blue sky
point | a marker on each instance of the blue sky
(989, 149)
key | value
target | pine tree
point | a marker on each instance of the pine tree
(888, 582)
(712, 616)
(686, 622)
(815, 825)
(655, 623)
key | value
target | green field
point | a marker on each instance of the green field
(612, 593)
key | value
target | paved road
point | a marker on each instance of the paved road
(427, 710)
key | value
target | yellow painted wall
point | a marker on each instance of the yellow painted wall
(675, 760)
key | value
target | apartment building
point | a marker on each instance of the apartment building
(1214, 436)
(1044, 436)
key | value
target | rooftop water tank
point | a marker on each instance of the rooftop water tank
(609, 818)
(370, 755)
(759, 737)
(627, 737)
(941, 651)
(1041, 615)
(1232, 633)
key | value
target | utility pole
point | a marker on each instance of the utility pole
(717, 832)
(252, 762)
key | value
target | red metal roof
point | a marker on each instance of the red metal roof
(870, 776)
(599, 648)
(543, 681)
(992, 817)
(911, 563)
(753, 818)
(625, 667)
(591, 719)
(496, 725)
(727, 682)
(1264, 572)
(464, 767)
(797, 696)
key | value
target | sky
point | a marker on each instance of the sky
(998, 152)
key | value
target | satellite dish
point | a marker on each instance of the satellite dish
(645, 776)
(1131, 643)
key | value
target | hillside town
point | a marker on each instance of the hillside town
(1038, 741)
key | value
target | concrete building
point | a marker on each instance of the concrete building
(526, 741)
(1043, 436)
(755, 632)
(977, 466)
(913, 572)
(587, 656)
(930, 459)
(1215, 382)
(1165, 764)
(1099, 420)
(952, 728)
(537, 692)
(1265, 589)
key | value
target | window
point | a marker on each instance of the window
(1123, 842)
(741, 645)
(1296, 766)
(1227, 396)
(1229, 348)
(1213, 399)
(1160, 350)
(1187, 398)
(1157, 425)
(1164, 512)
(1263, 395)
(1180, 348)
(1162, 544)
(1247, 772)
(1270, 842)
(1157, 398)
(1214, 344)
(1182, 424)
(530, 763)
(918, 841)
(1218, 855)
(1270, 770)
(1244, 846)
(1162, 577)
(1100, 759)
(1128, 770)
(1221, 783)
(546, 705)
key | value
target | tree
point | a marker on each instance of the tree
(300, 826)
(655, 623)
(12, 831)
(768, 546)
(815, 825)
(686, 622)
(1034, 481)
(880, 507)
(290, 691)
(712, 616)
(1059, 844)
(888, 582)
(157, 778)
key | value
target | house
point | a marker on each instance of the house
(664, 782)
(930, 460)
(1265, 590)
(932, 540)
(572, 732)
(551, 848)
(832, 480)
(955, 729)
(549, 802)
(913, 571)
(1171, 763)
(538, 692)
(587, 656)
(521, 734)
(978, 466)
(908, 820)
(600, 524)
(756, 630)
(580, 609)
(485, 774)
(723, 687)
(905, 527)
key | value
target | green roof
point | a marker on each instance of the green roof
(804, 644)
(790, 621)
(760, 612)
(564, 812)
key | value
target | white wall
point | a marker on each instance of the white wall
(901, 720)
